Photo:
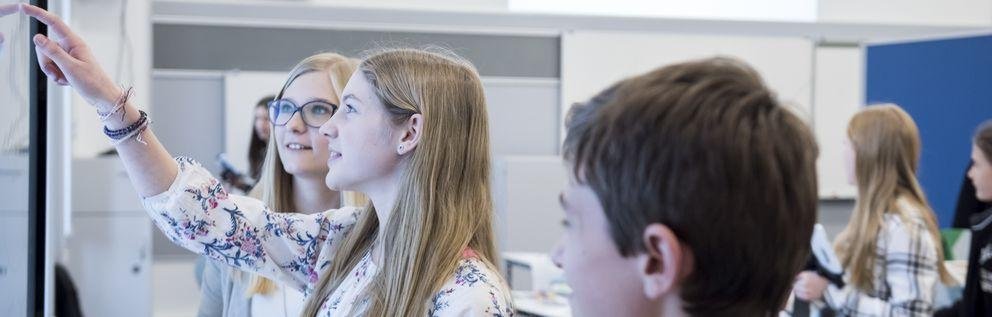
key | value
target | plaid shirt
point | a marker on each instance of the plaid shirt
(905, 272)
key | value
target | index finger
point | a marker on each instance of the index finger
(58, 27)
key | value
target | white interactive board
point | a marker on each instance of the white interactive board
(839, 93)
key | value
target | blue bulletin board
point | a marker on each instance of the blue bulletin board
(946, 85)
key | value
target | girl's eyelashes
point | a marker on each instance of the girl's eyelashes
(565, 223)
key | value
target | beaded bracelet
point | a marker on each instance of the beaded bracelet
(124, 132)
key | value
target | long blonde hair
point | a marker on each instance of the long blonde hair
(886, 144)
(444, 203)
(275, 186)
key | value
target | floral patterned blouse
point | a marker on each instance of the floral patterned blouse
(198, 214)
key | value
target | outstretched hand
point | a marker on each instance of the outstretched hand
(66, 59)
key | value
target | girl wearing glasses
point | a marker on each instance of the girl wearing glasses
(411, 133)
(292, 179)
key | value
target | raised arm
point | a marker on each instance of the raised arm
(67, 61)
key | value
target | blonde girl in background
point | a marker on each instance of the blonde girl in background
(891, 248)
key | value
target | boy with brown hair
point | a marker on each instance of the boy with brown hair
(692, 192)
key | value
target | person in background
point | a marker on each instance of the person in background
(260, 136)
(256, 150)
(977, 297)
(968, 204)
(891, 248)
(692, 191)
(291, 178)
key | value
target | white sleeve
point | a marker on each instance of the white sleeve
(197, 213)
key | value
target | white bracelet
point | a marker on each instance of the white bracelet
(136, 132)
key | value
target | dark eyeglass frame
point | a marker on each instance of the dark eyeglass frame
(275, 104)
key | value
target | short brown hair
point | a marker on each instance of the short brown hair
(704, 148)
(983, 138)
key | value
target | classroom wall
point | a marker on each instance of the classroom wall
(919, 12)
(97, 21)
(426, 4)
(260, 48)
(481, 5)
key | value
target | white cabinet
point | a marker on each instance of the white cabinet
(108, 253)
(110, 260)
(13, 234)
(13, 264)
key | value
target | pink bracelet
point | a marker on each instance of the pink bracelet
(118, 105)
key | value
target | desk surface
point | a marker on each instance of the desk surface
(530, 303)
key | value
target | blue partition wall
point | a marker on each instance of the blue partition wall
(946, 85)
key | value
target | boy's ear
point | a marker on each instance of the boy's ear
(664, 263)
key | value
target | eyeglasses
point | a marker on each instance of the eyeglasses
(313, 113)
